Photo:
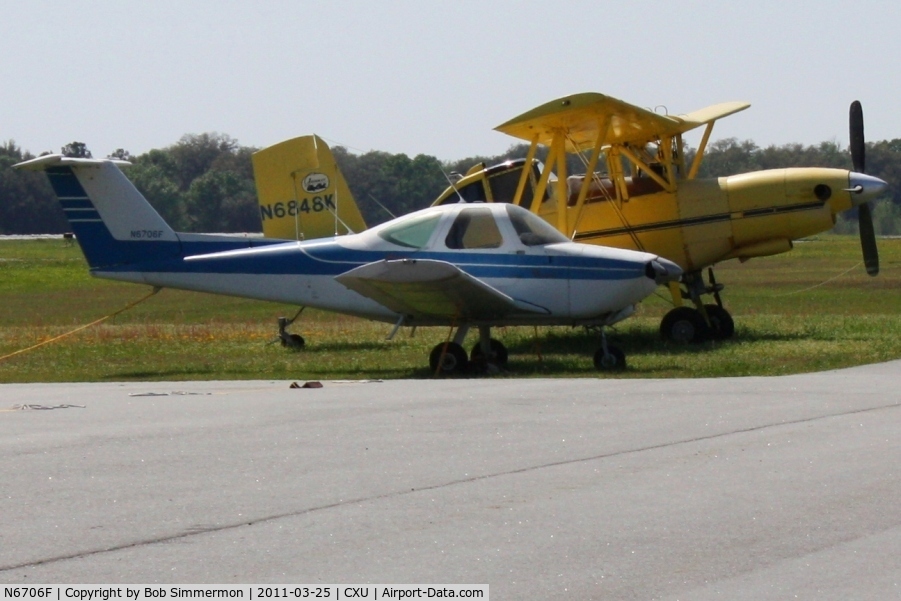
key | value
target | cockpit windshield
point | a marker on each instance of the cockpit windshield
(413, 232)
(532, 229)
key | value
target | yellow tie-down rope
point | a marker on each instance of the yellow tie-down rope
(84, 327)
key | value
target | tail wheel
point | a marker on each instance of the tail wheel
(684, 325)
(452, 360)
(722, 325)
(496, 356)
(613, 360)
(294, 341)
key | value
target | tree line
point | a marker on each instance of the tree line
(204, 182)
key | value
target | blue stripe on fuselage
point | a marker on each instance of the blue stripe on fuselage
(331, 259)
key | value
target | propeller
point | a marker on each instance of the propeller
(865, 215)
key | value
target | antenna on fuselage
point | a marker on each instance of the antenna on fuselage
(376, 200)
(297, 231)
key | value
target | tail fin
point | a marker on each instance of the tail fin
(112, 221)
(302, 193)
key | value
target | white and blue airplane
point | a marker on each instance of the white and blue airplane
(465, 265)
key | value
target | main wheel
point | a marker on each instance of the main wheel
(684, 325)
(723, 327)
(496, 356)
(613, 360)
(454, 359)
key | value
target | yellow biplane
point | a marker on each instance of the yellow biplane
(642, 193)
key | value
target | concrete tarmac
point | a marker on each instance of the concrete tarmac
(732, 488)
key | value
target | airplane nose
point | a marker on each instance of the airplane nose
(865, 188)
(663, 271)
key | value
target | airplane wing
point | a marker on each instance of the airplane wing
(581, 117)
(430, 289)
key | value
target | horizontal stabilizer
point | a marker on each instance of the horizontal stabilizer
(49, 160)
(425, 288)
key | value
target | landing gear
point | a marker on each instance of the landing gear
(613, 360)
(609, 357)
(684, 325)
(288, 340)
(448, 359)
(692, 325)
(497, 355)
(487, 356)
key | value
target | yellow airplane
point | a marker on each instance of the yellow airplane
(641, 193)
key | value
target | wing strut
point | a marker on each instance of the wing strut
(526, 173)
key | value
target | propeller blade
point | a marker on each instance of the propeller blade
(858, 145)
(716, 289)
(868, 239)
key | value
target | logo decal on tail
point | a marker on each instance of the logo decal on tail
(315, 182)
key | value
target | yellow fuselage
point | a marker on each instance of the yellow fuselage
(711, 220)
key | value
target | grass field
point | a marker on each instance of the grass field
(808, 310)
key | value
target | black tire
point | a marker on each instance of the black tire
(614, 360)
(294, 341)
(496, 356)
(723, 327)
(455, 360)
(684, 325)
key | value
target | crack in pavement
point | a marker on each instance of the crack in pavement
(211, 529)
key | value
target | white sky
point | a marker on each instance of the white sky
(433, 77)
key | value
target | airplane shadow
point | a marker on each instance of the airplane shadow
(157, 375)
(346, 346)
(638, 342)
(547, 354)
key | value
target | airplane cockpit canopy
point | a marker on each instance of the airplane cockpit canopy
(470, 226)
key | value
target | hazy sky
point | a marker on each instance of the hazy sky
(433, 77)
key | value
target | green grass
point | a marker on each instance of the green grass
(797, 312)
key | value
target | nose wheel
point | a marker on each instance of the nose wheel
(609, 357)
(614, 359)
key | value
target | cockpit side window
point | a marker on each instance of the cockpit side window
(532, 229)
(413, 232)
(474, 228)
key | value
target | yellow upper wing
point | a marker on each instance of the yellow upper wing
(582, 117)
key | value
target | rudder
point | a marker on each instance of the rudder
(301, 191)
(112, 221)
